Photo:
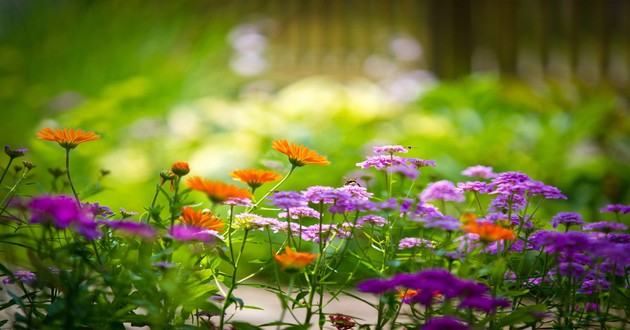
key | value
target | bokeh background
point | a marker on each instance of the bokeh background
(536, 86)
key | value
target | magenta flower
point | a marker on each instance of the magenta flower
(62, 212)
(605, 226)
(567, 219)
(441, 190)
(615, 208)
(475, 186)
(23, 276)
(444, 322)
(300, 212)
(390, 149)
(132, 228)
(479, 171)
(186, 233)
(287, 199)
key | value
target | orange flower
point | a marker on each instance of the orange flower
(255, 178)
(294, 261)
(201, 219)
(468, 217)
(489, 232)
(299, 155)
(406, 295)
(180, 168)
(68, 137)
(218, 192)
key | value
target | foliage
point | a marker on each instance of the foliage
(435, 254)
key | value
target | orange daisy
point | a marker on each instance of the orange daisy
(489, 232)
(299, 155)
(294, 261)
(255, 177)
(218, 192)
(68, 138)
(200, 219)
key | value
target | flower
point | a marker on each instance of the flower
(200, 219)
(68, 138)
(567, 219)
(479, 171)
(190, 233)
(605, 226)
(14, 153)
(287, 199)
(299, 155)
(294, 261)
(341, 322)
(141, 230)
(444, 322)
(180, 168)
(474, 186)
(216, 191)
(62, 212)
(300, 212)
(376, 220)
(381, 162)
(441, 190)
(255, 177)
(23, 276)
(489, 232)
(615, 208)
(389, 149)
(410, 242)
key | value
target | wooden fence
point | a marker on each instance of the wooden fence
(582, 39)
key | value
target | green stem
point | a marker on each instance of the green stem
(6, 170)
(76, 196)
(234, 283)
(253, 207)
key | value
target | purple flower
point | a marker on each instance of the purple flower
(186, 233)
(482, 303)
(594, 286)
(404, 170)
(479, 171)
(142, 230)
(510, 178)
(62, 212)
(474, 186)
(376, 286)
(287, 199)
(571, 242)
(23, 276)
(381, 162)
(426, 210)
(388, 205)
(441, 190)
(588, 307)
(567, 219)
(537, 188)
(410, 242)
(376, 220)
(355, 192)
(126, 214)
(317, 194)
(615, 208)
(14, 153)
(300, 212)
(98, 210)
(163, 265)
(502, 203)
(445, 322)
(390, 149)
(445, 222)
(571, 269)
(420, 163)
(352, 205)
(238, 201)
(405, 205)
(605, 226)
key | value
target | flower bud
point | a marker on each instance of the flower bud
(180, 168)
(28, 164)
(167, 175)
(56, 172)
(14, 153)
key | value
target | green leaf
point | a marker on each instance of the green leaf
(245, 326)
(521, 315)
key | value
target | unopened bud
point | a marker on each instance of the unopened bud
(28, 164)
(180, 168)
(14, 153)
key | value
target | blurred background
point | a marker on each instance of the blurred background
(536, 86)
